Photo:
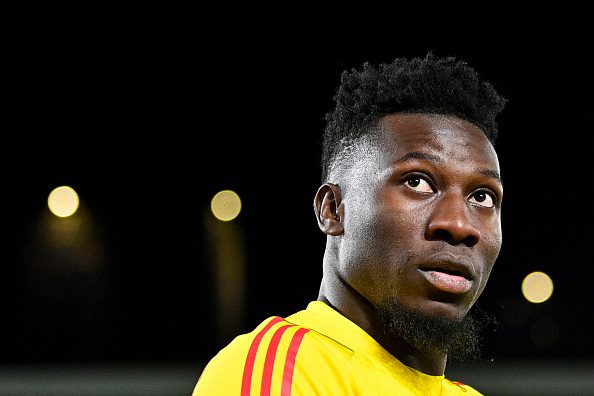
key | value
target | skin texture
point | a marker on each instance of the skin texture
(422, 194)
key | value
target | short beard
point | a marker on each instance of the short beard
(459, 340)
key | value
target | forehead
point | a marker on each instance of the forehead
(448, 137)
(449, 142)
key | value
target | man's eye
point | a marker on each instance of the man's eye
(419, 184)
(482, 198)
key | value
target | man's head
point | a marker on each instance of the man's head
(411, 200)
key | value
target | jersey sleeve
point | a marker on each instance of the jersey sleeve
(222, 374)
(225, 372)
(459, 388)
(277, 358)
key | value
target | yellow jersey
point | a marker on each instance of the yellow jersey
(316, 351)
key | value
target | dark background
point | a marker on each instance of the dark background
(147, 116)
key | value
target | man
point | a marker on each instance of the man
(411, 206)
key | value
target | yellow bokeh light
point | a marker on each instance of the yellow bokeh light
(63, 201)
(225, 205)
(537, 287)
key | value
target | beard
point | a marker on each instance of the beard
(460, 340)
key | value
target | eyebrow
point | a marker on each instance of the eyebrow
(420, 155)
(433, 158)
(491, 173)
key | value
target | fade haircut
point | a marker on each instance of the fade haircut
(430, 85)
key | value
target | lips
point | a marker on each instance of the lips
(448, 276)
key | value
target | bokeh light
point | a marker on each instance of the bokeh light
(226, 205)
(63, 201)
(537, 287)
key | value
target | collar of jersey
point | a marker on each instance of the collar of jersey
(325, 320)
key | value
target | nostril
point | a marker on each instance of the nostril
(470, 240)
(441, 234)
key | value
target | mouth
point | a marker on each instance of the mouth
(449, 277)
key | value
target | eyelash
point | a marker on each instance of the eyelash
(487, 192)
(428, 180)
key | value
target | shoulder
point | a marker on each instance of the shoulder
(459, 388)
(274, 355)
(224, 373)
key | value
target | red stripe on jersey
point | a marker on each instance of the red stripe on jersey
(269, 363)
(246, 382)
(290, 361)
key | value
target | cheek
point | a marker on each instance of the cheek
(359, 245)
(494, 247)
(365, 254)
(374, 254)
(490, 254)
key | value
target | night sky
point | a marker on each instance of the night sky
(148, 117)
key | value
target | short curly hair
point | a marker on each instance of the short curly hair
(430, 85)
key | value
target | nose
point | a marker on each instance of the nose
(451, 222)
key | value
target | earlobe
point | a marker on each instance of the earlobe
(327, 207)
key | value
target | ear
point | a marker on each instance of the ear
(328, 209)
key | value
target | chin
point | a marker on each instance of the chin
(445, 310)
(433, 326)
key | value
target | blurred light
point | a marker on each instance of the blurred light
(63, 201)
(227, 252)
(225, 205)
(537, 287)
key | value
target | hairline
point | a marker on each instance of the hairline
(370, 135)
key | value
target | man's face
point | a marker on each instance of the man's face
(421, 215)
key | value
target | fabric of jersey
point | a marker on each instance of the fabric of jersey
(316, 351)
